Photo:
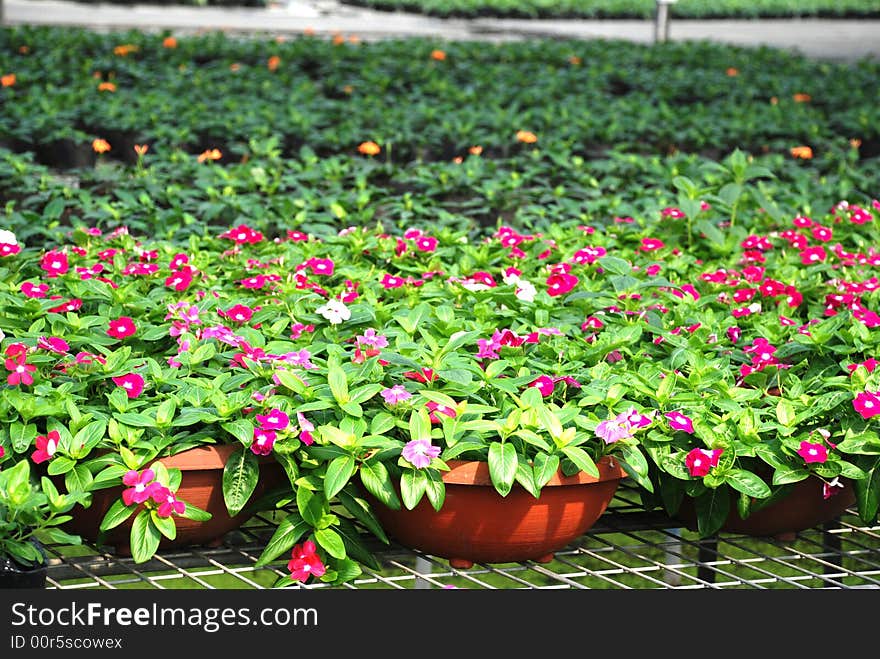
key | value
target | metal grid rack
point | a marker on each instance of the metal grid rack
(627, 549)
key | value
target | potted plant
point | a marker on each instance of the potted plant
(30, 515)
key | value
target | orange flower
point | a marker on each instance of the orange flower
(802, 98)
(475, 150)
(141, 149)
(338, 40)
(100, 145)
(438, 55)
(804, 152)
(273, 62)
(774, 100)
(348, 89)
(169, 42)
(732, 72)
(855, 142)
(8, 80)
(24, 50)
(106, 87)
(355, 39)
(369, 148)
(458, 160)
(125, 49)
(526, 136)
(574, 60)
(309, 31)
(210, 154)
(235, 66)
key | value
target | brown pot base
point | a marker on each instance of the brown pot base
(201, 485)
(477, 525)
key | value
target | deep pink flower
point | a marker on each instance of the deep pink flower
(53, 344)
(866, 403)
(141, 486)
(242, 234)
(275, 419)
(54, 263)
(426, 243)
(560, 283)
(390, 281)
(238, 313)
(700, 461)
(20, 372)
(678, 421)
(322, 266)
(812, 255)
(420, 452)
(870, 364)
(46, 446)
(544, 384)
(432, 407)
(168, 503)
(121, 327)
(34, 290)
(306, 428)
(263, 442)
(305, 562)
(831, 489)
(180, 280)
(133, 383)
(813, 452)
(651, 244)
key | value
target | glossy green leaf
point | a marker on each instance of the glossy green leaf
(502, 466)
(240, 476)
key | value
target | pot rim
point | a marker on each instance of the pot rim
(209, 456)
(476, 472)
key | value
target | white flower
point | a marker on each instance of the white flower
(525, 291)
(7, 237)
(335, 311)
(511, 279)
(2, 335)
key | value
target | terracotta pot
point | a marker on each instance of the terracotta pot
(201, 485)
(476, 524)
(803, 508)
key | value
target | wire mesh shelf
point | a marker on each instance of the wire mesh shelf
(628, 548)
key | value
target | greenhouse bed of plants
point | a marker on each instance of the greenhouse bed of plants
(627, 549)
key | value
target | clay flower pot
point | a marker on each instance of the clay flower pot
(201, 485)
(478, 525)
(802, 508)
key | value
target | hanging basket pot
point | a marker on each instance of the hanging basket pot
(803, 507)
(477, 525)
(201, 485)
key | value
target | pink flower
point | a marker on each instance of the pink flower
(263, 442)
(811, 255)
(678, 421)
(544, 384)
(865, 403)
(53, 344)
(305, 562)
(390, 281)
(133, 384)
(651, 244)
(306, 429)
(395, 394)
(20, 372)
(46, 446)
(613, 430)
(243, 234)
(560, 283)
(813, 452)
(141, 486)
(432, 407)
(420, 452)
(179, 280)
(168, 503)
(321, 266)
(426, 243)
(700, 461)
(121, 327)
(54, 263)
(239, 313)
(34, 290)
(870, 364)
(831, 489)
(275, 419)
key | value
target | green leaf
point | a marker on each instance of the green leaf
(339, 471)
(165, 413)
(195, 513)
(144, 537)
(420, 424)
(712, 510)
(310, 506)
(747, 483)
(89, 437)
(338, 384)
(78, 479)
(166, 525)
(241, 429)
(375, 477)
(136, 420)
(116, 515)
(785, 413)
(412, 487)
(785, 475)
(361, 511)
(581, 459)
(289, 531)
(502, 466)
(382, 423)
(435, 488)
(330, 540)
(614, 265)
(240, 476)
(545, 468)
(22, 436)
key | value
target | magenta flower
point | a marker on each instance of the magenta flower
(678, 421)
(420, 452)
(305, 562)
(426, 243)
(866, 403)
(832, 488)
(121, 327)
(560, 283)
(53, 344)
(179, 280)
(390, 281)
(651, 244)
(54, 263)
(133, 383)
(432, 407)
(306, 429)
(141, 486)
(34, 290)
(239, 313)
(613, 430)
(813, 452)
(636, 420)
(263, 442)
(395, 394)
(168, 503)
(275, 419)
(700, 461)
(20, 372)
(46, 446)
(544, 384)
(321, 266)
